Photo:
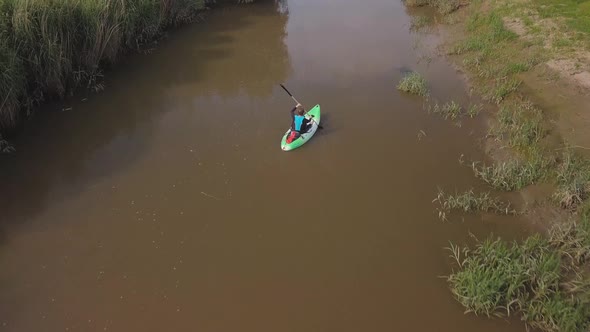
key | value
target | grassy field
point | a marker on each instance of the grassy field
(49, 48)
(575, 13)
(564, 25)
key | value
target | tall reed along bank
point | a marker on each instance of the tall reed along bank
(49, 48)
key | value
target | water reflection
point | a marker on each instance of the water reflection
(63, 153)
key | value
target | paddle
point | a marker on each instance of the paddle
(282, 86)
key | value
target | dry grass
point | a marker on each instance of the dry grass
(420, 22)
(514, 174)
(520, 124)
(449, 110)
(469, 201)
(443, 6)
(573, 177)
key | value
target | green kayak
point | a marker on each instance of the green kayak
(313, 114)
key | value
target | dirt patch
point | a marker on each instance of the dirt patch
(565, 104)
(572, 69)
(515, 25)
(543, 216)
(583, 79)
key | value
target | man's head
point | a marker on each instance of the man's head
(299, 110)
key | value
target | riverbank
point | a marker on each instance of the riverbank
(48, 50)
(530, 62)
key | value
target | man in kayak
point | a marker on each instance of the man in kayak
(299, 123)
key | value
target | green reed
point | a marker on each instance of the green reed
(50, 48)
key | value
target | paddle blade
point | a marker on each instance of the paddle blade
(282, 86)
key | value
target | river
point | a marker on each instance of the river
(164, 203)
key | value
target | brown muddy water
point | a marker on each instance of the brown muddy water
(165, 203)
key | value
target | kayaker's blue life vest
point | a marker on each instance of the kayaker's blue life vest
(298, 122)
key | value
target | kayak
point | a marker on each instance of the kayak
(314, 115)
